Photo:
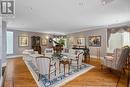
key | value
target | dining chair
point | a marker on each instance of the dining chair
(45, 67)
(73, 54)
(49, 52)
(77, 61)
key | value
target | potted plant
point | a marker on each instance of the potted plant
(61, 42)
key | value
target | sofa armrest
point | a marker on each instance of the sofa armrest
(109, 58)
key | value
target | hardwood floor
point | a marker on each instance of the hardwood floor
(17, 75)
(97, 78)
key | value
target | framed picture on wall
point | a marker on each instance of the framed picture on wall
(23, 41)
(44, 42)
(94, 41)
(81, 41)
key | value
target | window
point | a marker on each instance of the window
(9, 42)
(118, 40)
(126, 38)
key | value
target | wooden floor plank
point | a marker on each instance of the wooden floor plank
(18, 75)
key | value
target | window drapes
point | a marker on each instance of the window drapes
(116, 30)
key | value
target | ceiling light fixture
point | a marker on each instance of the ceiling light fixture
(104, 2)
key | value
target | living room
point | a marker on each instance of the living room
(86, 41)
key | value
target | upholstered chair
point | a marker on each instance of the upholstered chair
(48, 52)
(77, 61)
(73, 54)
(27, 53)
(118, 59)
(45, 67)
(33, 57)
(65, 51)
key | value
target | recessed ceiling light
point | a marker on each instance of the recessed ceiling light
(80, 3)
(104, 2)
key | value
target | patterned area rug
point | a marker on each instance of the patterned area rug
(60, 79)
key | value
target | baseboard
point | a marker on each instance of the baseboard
(96, 57)
(14, 56)
(11, 56)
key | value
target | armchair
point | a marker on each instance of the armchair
(74, 53)
(77, 61)
(117, 60)
(45, 67)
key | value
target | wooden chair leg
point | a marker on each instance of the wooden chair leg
(119, 78)
(59, 69)
(64, 69)
(55, 72)
(110, 70)
(89, 57)
(49, 72)
(77, 65)
(101, 67)
(49, 76)
(55, 69)
(124, 70)
(39, 77)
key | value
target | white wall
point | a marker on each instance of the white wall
(0, 49)
(16, 48)
(4, 42)
(93, 50)
(2, 46)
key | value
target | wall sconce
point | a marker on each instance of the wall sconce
(47, 37)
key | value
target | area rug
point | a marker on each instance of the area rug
(59, 80)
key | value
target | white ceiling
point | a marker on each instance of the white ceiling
(66, 16)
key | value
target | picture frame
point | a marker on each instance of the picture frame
(44, 42)
(94, 41)
(81, 41)
(23, 41)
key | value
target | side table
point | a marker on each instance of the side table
(64, 62)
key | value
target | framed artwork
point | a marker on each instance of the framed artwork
(94, 41)
(44, 42)
(23, 41)
(81, 41)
